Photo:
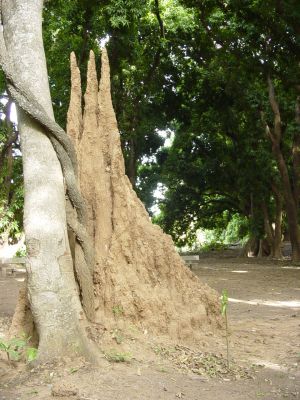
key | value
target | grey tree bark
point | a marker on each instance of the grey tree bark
(52, 289)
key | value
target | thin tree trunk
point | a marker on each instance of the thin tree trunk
(273, 236)
(267, 224)
(251, 248)
(52, 289)
(277, 251)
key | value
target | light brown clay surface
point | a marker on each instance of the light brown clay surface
(138, 273)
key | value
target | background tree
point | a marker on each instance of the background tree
(243, 46)
(200, 70)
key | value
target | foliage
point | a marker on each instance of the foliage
(117, 310)
(237, 229)
(11, 179)
(221, 164)
(118, 336)
(11, 216)
(22, 252)
(31, 354)
(137, 34)
(116, 356)
(212, 246)
(198, 69)
(16, 347)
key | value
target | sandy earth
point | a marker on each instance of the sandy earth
(264, 319)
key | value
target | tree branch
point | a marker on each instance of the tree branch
(160, 21)
(275, 109)
(267, 128)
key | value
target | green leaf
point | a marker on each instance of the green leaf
(14, 355)
(18, 343)
(31, 354)
(3, 346)
(224, 302)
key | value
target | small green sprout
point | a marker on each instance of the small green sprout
(224, 304)
(117, 310)
(31, 354)
(15, 347)
(115, 356)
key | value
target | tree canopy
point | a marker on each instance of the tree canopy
(218, 75)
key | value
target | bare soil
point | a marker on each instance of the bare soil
(264, 323)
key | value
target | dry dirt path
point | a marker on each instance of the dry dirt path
(264, 308)
(264, 317)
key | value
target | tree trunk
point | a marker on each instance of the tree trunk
(52, 290)
(296, 153)
(273, 235)
(250, 248)
(260, 253)
(277, 251)
(290, 197)
(290, 203)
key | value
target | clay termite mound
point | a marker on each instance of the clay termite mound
(138, 273)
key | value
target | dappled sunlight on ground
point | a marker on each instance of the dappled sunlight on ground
(290, 304)
(240, 271)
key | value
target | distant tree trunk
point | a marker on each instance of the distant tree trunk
(291, 202)
(260, 253)
(52, 290)
(296, 153)
(251, 248)
(276, 250)
(273, 235)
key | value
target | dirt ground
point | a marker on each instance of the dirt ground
(264, 323)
